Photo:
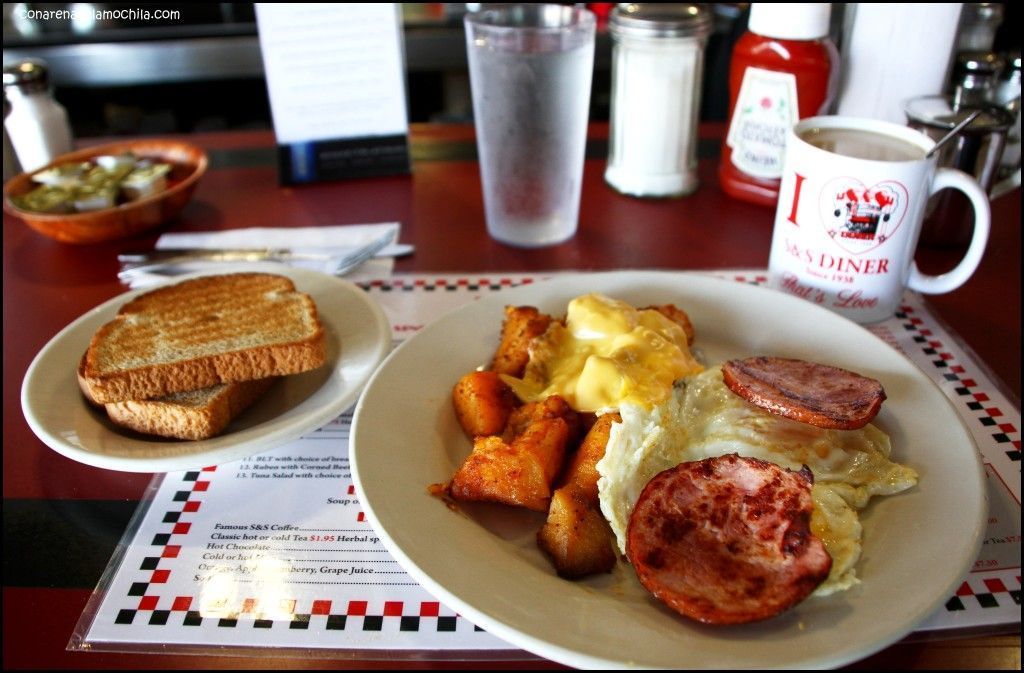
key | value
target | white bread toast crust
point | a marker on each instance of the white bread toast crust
(203, 332)
(192, 415)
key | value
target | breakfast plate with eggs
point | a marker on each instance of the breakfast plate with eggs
(913, 476)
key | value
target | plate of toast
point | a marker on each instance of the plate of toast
(205, 370)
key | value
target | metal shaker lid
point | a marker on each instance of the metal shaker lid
(982, 12)
(979, 63)
(28, 75)
(1013, 60)
(657, 19)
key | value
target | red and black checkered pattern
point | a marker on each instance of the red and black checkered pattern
(475, 285)
(192, 485)
(987, 414)
(751, 279)
(992, 593)
(353, 615)
(442, 284)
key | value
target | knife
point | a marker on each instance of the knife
(131, 260)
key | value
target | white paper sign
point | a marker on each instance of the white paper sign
(335, 76)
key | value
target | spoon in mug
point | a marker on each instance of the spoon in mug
(952, 133)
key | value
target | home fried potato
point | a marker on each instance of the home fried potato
(679, 317)
(521, 472)
(554, 406)
(582, 471)
(502, 473)
(520, 326)
(483, 403)
(523, 451)
(547, 439)
(576, 538)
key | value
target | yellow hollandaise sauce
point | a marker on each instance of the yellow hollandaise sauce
(606, 353)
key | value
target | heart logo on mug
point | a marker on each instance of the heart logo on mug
(859, 218)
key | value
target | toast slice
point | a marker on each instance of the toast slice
(200, 333)
(193, 414)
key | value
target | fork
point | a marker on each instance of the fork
(353, 259)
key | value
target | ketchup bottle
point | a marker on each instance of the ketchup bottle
(782, 70)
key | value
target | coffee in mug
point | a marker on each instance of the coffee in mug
(862, 145)
(849, 216)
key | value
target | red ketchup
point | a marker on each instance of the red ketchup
(781, 71)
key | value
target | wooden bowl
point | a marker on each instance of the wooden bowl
(127, 219)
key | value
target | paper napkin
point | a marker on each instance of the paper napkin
(349, 235)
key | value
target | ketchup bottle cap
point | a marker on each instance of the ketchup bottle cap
(790, 20)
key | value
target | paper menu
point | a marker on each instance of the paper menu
(195, 572)
(271, 550)
(336, 80)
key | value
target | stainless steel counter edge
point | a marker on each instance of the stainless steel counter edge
(149, 62)
(193, 59)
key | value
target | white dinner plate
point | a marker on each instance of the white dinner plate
(483, 561)
(358, 337)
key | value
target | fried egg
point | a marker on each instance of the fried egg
(703, 418)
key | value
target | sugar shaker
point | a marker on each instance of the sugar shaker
(37, 124)
(657, 68)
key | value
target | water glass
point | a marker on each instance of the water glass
(530, 70)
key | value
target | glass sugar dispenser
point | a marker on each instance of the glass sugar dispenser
(657, 67)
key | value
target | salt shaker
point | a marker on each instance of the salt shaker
(657, 67)
(11, 165)
(37, 124)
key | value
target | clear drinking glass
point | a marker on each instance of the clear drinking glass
(530, 70)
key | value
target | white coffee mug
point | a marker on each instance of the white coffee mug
(851, 203)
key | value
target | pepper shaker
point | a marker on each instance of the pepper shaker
(657, 68)
(37, 124)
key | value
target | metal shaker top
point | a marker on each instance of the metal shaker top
(974, 78)
(1013, 61)
(660, 20)
(979, 63)
(28, 76)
